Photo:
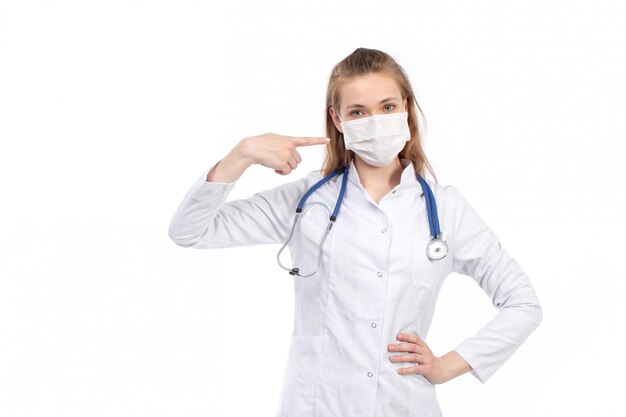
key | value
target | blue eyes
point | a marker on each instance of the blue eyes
(354, 111)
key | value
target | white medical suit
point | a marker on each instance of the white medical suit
(375, 281)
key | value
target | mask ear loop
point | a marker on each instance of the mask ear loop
(339, 115)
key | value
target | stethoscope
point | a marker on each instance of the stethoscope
(436, 249)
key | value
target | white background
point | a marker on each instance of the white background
(110, 110)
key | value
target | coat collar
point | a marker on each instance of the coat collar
(408, 180)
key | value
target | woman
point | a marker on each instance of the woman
(364, 307)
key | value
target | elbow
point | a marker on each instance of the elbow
(189, 241)
(528, 305)
(534, 313)
(524, 299)
(174, 235)
(179, 238)
(183, 242)
(538, 314)
(535, 309)
(176, 238)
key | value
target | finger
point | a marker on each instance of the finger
(292, 162)
(297, 156)
(412, 357)
(286, 169)
(415, 369)
(404, 347)
(411, 337)
(310, 140)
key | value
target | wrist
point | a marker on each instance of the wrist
(244, 153)
(453, 365)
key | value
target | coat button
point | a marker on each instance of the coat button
(373, 324)
(370, 374)
(380, 274)
(384, 230)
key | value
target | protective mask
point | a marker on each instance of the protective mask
(377, 139)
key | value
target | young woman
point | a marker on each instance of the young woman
(367, 281)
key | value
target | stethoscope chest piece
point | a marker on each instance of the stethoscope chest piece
(436, 249)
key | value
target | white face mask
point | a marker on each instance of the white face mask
(377, 139)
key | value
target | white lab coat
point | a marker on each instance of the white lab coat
(375, 280)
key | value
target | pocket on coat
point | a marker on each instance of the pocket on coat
(300, 376)
(425, 272)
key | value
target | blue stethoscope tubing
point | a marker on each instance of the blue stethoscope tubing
(436, 248)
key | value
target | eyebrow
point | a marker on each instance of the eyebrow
(381, 102)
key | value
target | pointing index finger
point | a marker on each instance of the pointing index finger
(310, 140)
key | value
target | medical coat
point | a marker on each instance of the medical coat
(375, 281)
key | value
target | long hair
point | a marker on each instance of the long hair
(361, 62)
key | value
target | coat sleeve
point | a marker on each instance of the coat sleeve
(205, 220)
(478, 253)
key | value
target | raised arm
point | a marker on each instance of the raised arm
(205, 220)
(478, 253)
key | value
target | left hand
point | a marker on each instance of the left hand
(427, 364)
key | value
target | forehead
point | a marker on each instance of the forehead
(369, 90)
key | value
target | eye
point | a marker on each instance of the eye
(353, 111)
(390, 105)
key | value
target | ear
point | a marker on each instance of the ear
(335, 119)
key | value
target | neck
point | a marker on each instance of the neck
(378, 177)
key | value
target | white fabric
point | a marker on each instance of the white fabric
(375, 280)
(377, 139)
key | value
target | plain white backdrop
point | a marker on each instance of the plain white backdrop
(110, 110)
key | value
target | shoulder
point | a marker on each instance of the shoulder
(310, 178)
(292, 187)
(449, 197)
(444, 191)
(329, 188)
(300, 185)
(314, 174)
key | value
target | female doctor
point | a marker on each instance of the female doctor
(365, 284)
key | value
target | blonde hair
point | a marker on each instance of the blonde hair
(361, 62)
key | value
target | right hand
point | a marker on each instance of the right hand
(278, 151)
